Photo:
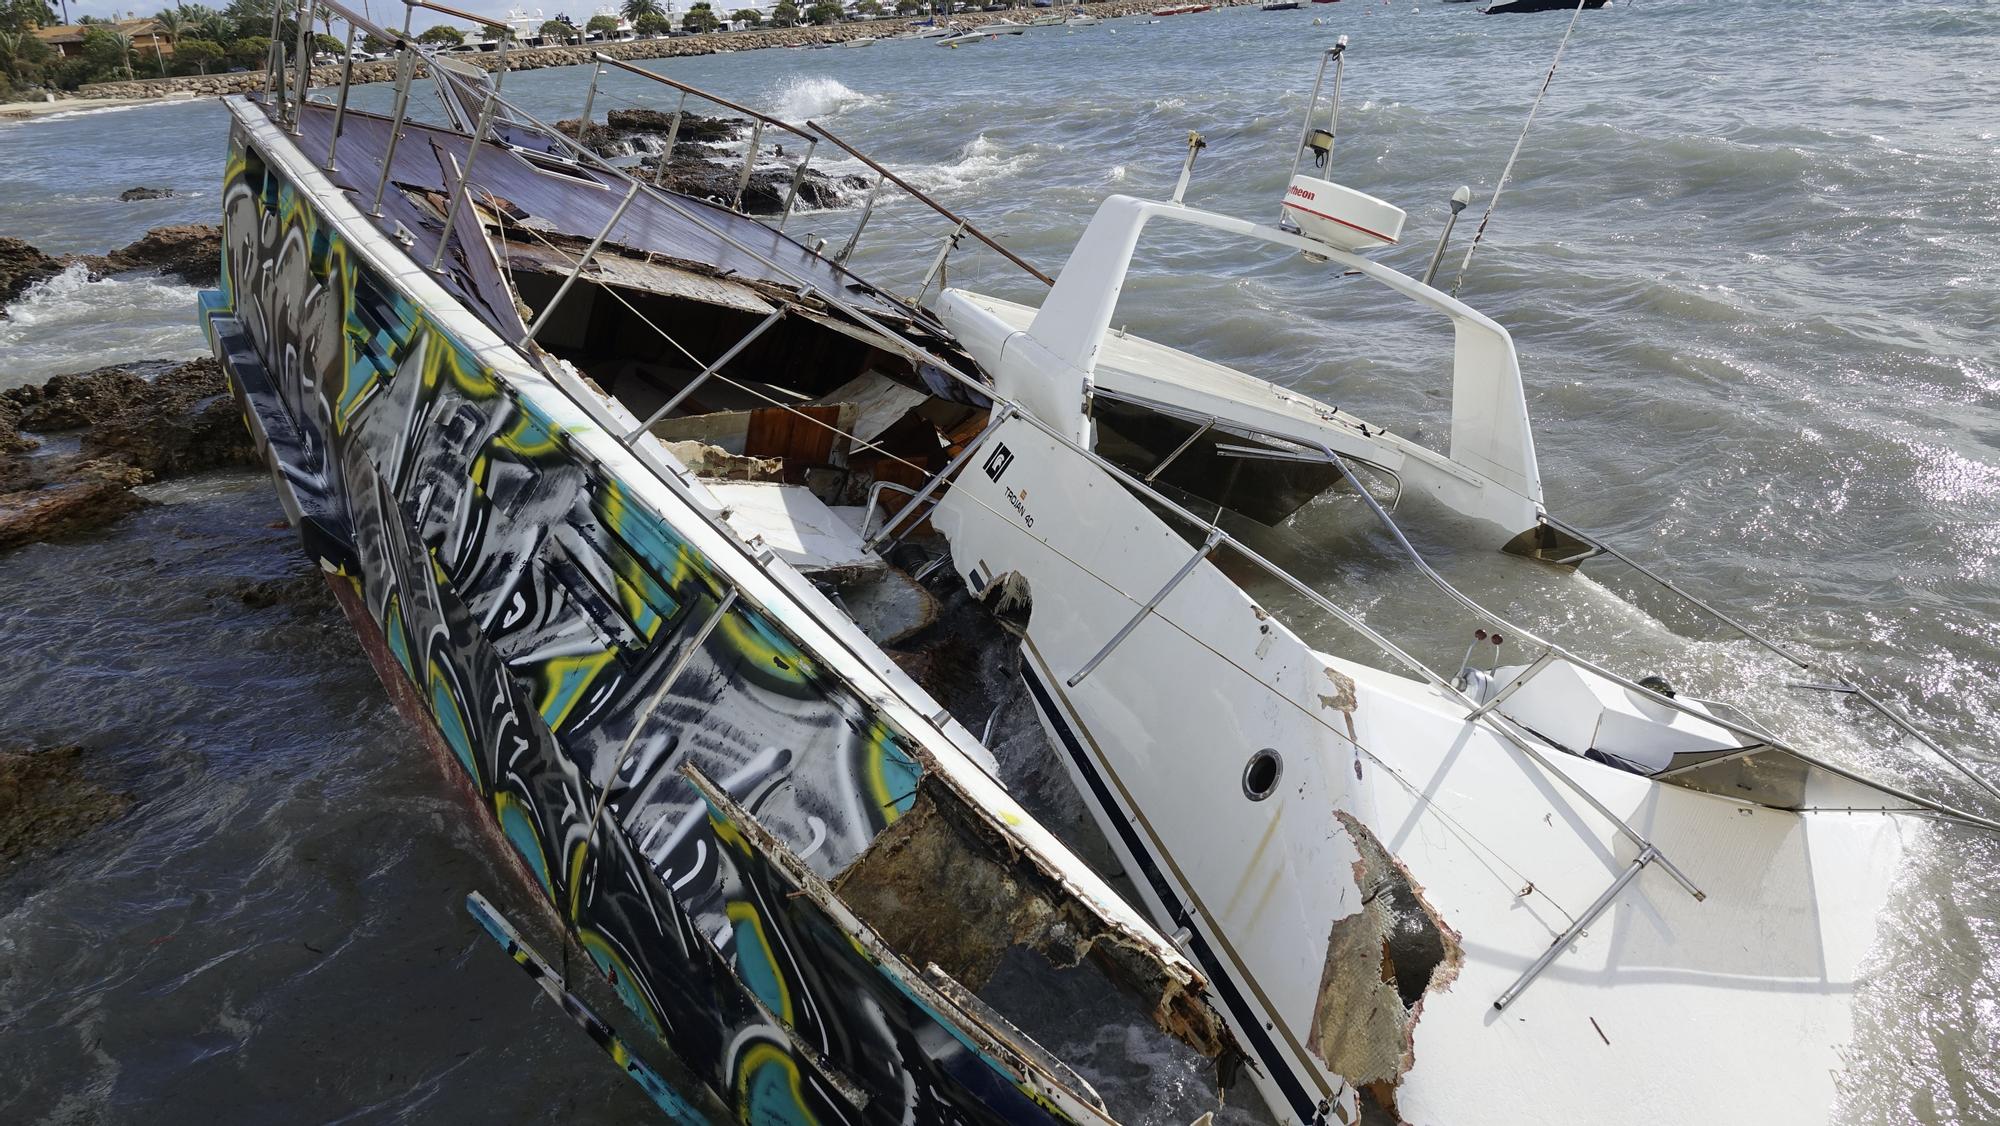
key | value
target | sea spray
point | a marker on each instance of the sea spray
(71, 323)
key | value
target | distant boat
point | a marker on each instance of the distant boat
(1326, 1)
(1181, 9)
(1281, 6)
(1511, 7)
(988, 31)
(864, 41)
(1082, 19)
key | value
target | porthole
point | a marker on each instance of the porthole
(1260, 775)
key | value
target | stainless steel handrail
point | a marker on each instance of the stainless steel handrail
(917, 194)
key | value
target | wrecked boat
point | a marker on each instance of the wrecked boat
(582, 461)
(1539, 886)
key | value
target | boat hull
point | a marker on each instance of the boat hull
(525, 609)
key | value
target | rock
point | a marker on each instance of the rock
(45, 800)
(95, 493)
(72, 402)
(135, 430)
(707, 160)
(21, 266)
(186, 421)
(190, 251)
(132, 195)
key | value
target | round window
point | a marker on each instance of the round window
(1260, 776)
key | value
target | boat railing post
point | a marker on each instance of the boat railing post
(735, 349)
(1006, 411)
(542, 318)
(1207, 548)
(459, 193)
(749, 163)
(673, 135)
(406, 71)
(340, 107)
(500, 58)
(589, 96)
(861, 224)
(304, 64)
(937, 264)
(1646, 856)
(274, 61)
(798, 177)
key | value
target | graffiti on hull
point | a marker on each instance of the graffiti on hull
(539, 611)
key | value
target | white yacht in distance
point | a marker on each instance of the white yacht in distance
(983, 32)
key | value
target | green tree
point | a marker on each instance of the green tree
(867, 7)
(26, 15)
(700, 18)
(252, 18)
(250, 51)
(198, 54)
(785, 14)
(558, 30)
(633, 9)
(908, 7)
(824, 12)
(375, 45)
(603, 26)
(652, 24)
(748, 17)
(441, 36)
(25, 61)
(107, 54)
(174, 22)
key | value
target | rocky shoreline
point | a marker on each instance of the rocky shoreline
(635, 50)
(73, 448)
(191, 252)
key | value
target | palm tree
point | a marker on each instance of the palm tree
(633, 9)
(174, 22)
(124, 43)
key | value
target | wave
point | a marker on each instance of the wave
(979, 163)
(802, 99)
(95, 111)
(70, 323)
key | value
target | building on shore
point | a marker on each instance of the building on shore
(146, 35)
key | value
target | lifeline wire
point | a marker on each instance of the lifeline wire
(1518, 142)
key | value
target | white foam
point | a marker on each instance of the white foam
(70, 323)
(801, 99)
(979, 163)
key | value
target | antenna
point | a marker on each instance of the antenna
(1518, 142)
(1320, 141)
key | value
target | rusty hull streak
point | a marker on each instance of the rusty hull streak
(1362, 1028)
(995, 1042)
(945, 885)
